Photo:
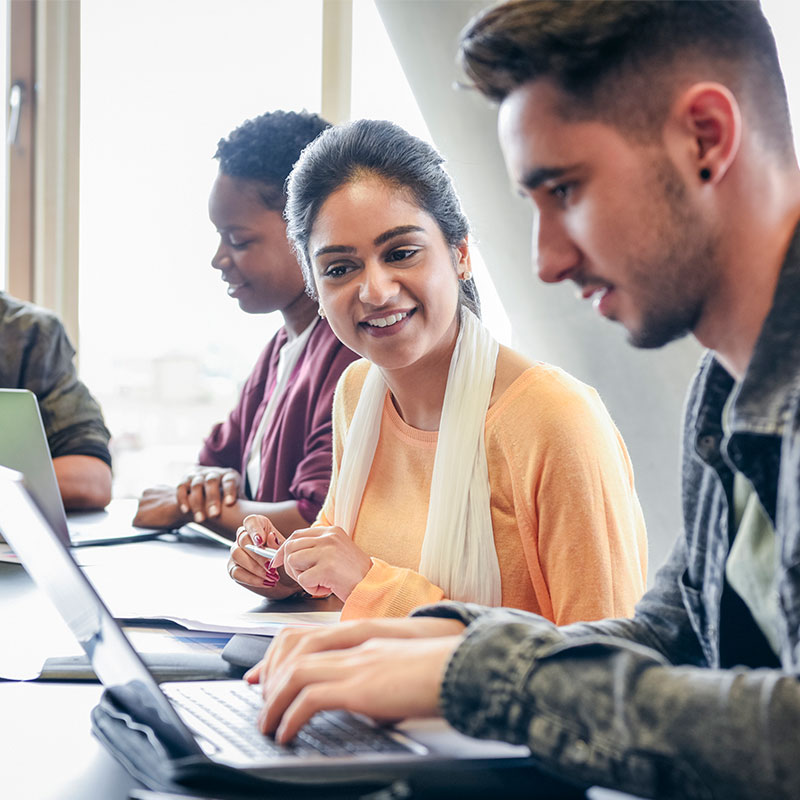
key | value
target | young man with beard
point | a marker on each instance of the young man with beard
(654, 141)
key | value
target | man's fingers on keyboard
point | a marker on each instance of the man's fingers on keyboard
(253, 675)
(281, 689)
(317, 697)
(279, 652)
(294, 643)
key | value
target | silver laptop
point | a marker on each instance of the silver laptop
(213, 722)
(23, 447)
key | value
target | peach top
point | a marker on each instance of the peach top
(568, 528)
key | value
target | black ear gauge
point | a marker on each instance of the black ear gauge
(705, 174)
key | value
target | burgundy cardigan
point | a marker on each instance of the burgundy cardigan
(296, 451)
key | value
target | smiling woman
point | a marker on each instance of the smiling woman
(461, 470)
(390, 293)
(254, 257)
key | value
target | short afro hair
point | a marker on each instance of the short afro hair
(265, 149)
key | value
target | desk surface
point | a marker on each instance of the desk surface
(47, 750)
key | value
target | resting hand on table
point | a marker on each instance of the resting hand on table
(158, 508)
(198, 497)
(366, 667)
(255, 572)
(323, 560)
(203, 491)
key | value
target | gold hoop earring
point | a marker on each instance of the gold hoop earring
(321, 312)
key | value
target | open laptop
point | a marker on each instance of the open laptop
(200, 726)
(23, 447)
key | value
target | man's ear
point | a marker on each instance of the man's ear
(709, 117)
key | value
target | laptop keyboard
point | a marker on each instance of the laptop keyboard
(230, 711)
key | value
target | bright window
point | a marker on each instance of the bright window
(162, 346)
(784, 18)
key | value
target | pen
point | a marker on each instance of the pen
(265, 552)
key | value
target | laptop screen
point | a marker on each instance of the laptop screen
(23, 447)
(114, 660)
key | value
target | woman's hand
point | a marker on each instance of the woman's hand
(158, 508)
(255, 572)
(203, 491)
(385, 678)
(323, 560)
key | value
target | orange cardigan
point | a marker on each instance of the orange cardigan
(568, 528)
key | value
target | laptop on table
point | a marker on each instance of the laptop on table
(23, 447)
(204, 731)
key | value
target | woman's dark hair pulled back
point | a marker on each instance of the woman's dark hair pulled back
(367, 148)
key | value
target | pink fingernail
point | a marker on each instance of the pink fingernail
(269, 583)
(257, 540)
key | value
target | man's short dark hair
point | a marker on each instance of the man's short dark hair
(621, 61)
(265, 149)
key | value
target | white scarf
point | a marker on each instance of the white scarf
(458, 552)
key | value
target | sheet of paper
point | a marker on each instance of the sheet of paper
(188, 584)
(167, 639)
(253, 623)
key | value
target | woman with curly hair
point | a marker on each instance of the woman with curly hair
(273, 454)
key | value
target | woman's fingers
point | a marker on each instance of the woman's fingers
(305, 539)
(229, 484)
(259, 527)
(197, 498)
(243, 568)
(259, 530)
(315, 580)
(275, 539)
(254, 569)
(212, 494)
(338, 564)
(182, 494)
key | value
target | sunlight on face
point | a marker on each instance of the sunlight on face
(613, 216)
(385, 275)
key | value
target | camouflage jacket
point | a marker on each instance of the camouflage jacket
(36, 354)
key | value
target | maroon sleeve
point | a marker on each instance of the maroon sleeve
(226, 445)
(313, 474)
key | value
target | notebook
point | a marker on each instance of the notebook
(23, 447)
(187, 719)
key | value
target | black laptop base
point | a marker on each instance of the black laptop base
(137, 748)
